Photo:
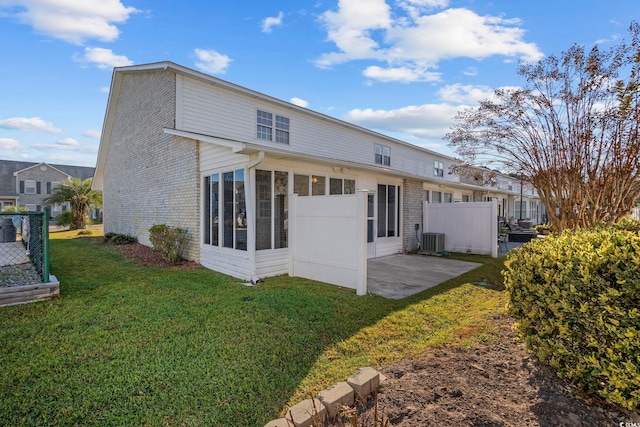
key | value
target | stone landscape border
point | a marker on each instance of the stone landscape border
(327, 404)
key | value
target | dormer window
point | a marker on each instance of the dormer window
(438, 168)
(265, 127)
(382, 155)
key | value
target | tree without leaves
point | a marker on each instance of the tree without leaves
(80, 196)
(572, 132)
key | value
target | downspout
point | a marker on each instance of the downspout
(257, 161)
(251, 216)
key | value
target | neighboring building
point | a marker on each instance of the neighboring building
(185, 149)
(28, 183)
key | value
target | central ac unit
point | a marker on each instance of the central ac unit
(433, 242)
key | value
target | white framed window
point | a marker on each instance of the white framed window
(265, 125)
(271, 218)
(225, 219)
(29, 186)
(436, 197)
(317, 185)
(282, 130)
(266, 129)
(342, 186)
(438, 168)
(388, 210)
(382, 155)
(465, 198)
(448, 197)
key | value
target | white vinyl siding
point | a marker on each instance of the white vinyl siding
(213, 110)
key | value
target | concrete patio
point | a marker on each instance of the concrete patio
(400, 276)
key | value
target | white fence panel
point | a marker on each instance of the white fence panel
(328, 240)
(469, 227)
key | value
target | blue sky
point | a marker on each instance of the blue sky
(402, 68)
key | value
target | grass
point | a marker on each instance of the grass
(134, 345)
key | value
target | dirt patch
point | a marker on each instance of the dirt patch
(145, 255)
(496, 384)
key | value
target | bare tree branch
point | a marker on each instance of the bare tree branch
(573, 131)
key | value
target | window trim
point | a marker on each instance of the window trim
(438, 168)
(220, 239)
(382, 155)
(384, 208)
(28, 187)
(273, 129)
(278, 220)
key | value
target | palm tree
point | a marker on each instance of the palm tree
(80, 196)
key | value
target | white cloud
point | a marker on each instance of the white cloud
(469, 94)
(9, 144)
(400, 74)
(470, 71)
(103, 58)
(67, 142)
(28, 123)
(74, 21)
(299, 102)
(92, 133)
(458, 93)
(415, 7)
(211, 61)
(351, 28)
(612, 38)
(418, 39)
(431, 121)
(272, 21)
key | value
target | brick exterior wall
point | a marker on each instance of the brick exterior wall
(150, 177)
(411, 214)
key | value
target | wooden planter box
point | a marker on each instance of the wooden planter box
(29, 293)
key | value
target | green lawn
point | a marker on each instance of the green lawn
(132, 345)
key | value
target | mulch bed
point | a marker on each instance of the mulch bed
(145, 255)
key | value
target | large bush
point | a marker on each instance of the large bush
(576, 297)
(171, 242)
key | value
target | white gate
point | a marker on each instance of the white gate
(328, 241)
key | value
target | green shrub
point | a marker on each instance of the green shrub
(14, 209)
(119, 239)
(171, 242)
(65, 219)
(577, 300)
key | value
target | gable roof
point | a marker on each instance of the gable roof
(9, 167)
(114, 93)
(41, 164)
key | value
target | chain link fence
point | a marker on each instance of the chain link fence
(24, 248)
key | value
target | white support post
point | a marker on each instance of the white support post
(291, 230)
(361, 236)
(494, 228)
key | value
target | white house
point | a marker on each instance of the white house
(265, 187)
